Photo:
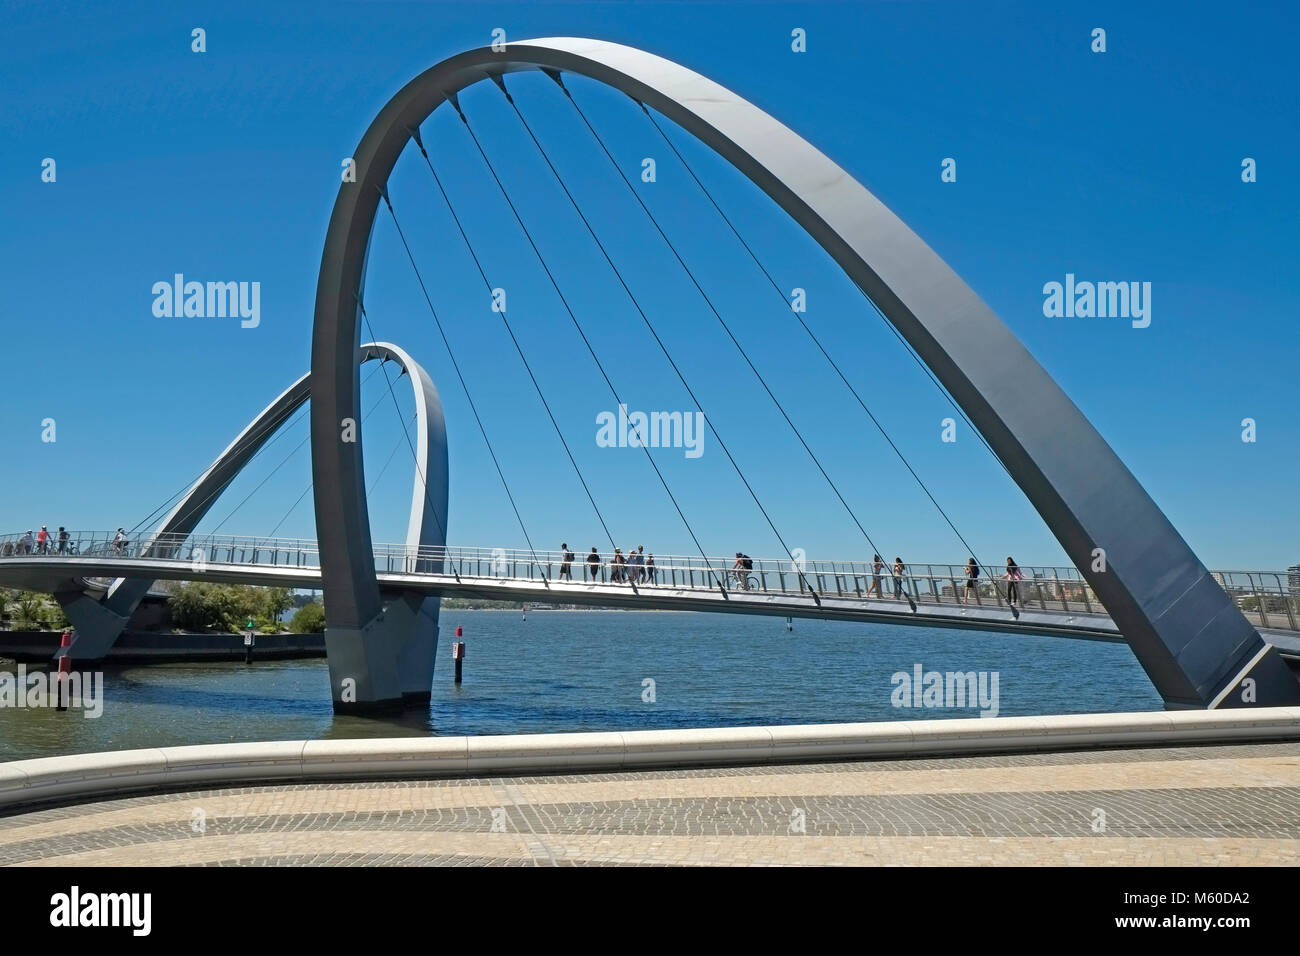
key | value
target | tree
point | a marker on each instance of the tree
(309, 619)
(196, 607)
(51, 616)
(277, 601)
(199, 606)
(29, 607)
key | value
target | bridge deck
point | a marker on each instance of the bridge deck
(1053, 601)
(930, 609)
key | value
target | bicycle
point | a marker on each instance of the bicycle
(745, 579)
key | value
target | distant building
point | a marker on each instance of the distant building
(1293, 578)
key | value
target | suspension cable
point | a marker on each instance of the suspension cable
(817, 341)
(419, 466)
(262, 428)
(284, 429)
(297, 448)
(717, 578)
(518, 348)
(716, 314)
(721, 443)
(311, 484)
(383, 192)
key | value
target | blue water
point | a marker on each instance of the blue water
(573, 670)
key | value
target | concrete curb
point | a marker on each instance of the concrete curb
(116, 773)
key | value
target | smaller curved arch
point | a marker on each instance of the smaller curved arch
(426, 526)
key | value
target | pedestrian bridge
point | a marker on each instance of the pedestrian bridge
(1204, 639)
(1052, 601)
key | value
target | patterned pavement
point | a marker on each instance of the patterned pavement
(1204, 806)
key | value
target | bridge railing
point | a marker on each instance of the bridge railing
(1268, 598)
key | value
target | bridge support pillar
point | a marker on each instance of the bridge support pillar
(388, 664)
(97, 627)
(420, 655)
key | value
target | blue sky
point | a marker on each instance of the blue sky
(224, 166)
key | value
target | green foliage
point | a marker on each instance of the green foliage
(456, 604)
(201, 606)
(51, 616)
(309, 619)
(277, 601)
(28, 607)
(31, 611)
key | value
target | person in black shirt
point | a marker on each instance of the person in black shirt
(972, 578)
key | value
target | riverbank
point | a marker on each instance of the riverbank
(154, 647)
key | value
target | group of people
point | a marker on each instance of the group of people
(59, 542)
(635, 567)
(43, 543)
(1012, 576)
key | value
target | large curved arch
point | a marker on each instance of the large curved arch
(99, 623)
(1189, 636)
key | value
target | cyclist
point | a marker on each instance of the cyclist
(744, 563)
(63, 540)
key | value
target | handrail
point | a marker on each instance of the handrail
(1269, 598)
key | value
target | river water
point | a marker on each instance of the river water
(576, 670)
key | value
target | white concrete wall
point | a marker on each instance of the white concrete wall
(25, 782)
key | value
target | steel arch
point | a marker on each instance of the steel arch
(1190, 637)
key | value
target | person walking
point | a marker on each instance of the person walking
(639, 559)
(566, 562)
(25, 543)
(593, 565)
(119, 541)
(972, 579)
(1013, 575)
(877, 568)
(651, 574)
(899, 569)
(63, 540)
(617, 567)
